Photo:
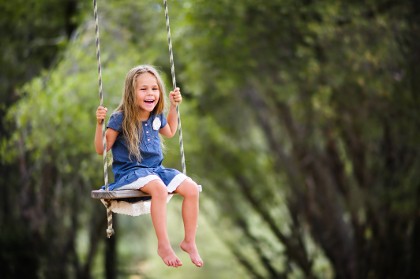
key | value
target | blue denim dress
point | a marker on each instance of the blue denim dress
(129, 173)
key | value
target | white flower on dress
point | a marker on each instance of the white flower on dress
(156, 124)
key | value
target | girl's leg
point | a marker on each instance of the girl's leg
(190, 207)
(157, 190)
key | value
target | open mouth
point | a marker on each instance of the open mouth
(149, 101)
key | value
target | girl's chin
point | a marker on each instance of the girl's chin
(148, 107)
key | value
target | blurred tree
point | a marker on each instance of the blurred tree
(34, 33)
(332, 89)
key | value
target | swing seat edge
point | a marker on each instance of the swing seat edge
(120, 194)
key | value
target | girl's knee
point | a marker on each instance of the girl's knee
(156, 189)
(161, 191)
(188, 189)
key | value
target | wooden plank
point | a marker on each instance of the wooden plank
(120, 194)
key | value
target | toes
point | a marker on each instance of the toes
(174, 262)
(198, 263)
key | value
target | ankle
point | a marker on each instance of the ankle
(188, 241)
(164, 245)
(188, 244)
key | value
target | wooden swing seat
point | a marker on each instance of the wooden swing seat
(115, 195)
(123, 194)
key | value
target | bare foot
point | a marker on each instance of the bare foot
(192, 250)
(169, 257)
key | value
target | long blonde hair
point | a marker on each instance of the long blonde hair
(131, 125)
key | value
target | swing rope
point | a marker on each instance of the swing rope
(110, 230)
(171, 61)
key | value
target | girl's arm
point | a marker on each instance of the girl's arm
(110, 134)
(172, 118)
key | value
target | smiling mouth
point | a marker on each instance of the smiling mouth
(149, 101)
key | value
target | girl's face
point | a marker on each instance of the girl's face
(147, 92)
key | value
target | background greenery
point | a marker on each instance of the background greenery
(300, 120)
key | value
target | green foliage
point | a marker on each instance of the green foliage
(321, 81)
(299, 120)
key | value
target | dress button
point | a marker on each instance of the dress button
(147, 132)
(145, 124)
(148, 139)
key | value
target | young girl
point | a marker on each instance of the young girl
(133, 134)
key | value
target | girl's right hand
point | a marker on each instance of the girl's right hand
(101, 114)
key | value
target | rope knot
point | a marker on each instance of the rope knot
(109, 232)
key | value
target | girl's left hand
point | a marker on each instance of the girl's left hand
(175, 96)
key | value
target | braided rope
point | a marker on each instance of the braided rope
(110, 230)
(171, 60)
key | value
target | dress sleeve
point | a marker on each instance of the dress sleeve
(115, 121)
(162, 120)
